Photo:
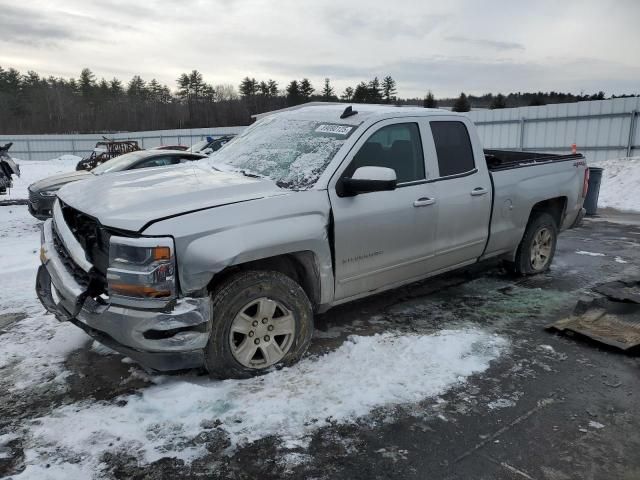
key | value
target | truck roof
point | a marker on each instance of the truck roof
(332, 112)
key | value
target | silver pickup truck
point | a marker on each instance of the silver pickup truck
(222, 263)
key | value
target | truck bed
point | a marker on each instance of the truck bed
(508, 159)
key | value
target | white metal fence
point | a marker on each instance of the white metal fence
(601, 129)
(45, 147)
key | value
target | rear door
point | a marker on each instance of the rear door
(383, 238)
(463, 191)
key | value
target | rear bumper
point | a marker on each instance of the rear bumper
(171, 339)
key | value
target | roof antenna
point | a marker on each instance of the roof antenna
(348, 112)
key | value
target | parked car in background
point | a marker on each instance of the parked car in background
(43, 192)
(224, 264)
(181, 148)
(8, 168)
(107, 150)
(210, 144)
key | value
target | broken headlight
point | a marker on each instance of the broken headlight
(142, 268)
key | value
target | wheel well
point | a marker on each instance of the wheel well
(299, 266)
(553, 206)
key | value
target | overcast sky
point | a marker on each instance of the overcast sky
(445, 46)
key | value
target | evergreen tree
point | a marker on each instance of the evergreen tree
(263, 87)
(248, 87)
(536, 101)
(73, 85)
(328, 93)
(166, 95)
(374, 91)
(196, 83)
(361, 93)
(115, 88)
(87, 82)
(306, 89)
(462, 104)
(273, 88)
(137, 87)
(499, 101)
(347, 95)
(208, 93)
(388, 89)
(430, 101)
(10, 81)
(155, 90)
(183, 86)
(30, 80)
(103, 89)
(294, 96)
(191, 86)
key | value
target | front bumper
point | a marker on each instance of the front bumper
(170, 339)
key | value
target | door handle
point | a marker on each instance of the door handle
(424, 201)
(479, 191)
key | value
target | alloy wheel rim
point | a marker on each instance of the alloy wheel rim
(261, 333)
(541, 248)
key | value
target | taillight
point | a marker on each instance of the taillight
(585, 185)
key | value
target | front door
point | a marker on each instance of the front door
(383, 238)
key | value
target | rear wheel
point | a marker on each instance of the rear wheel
(538, 246)
(259, 319)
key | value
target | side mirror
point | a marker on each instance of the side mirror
(368, 179)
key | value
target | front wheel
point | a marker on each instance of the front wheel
(538, 246)
(259, 319)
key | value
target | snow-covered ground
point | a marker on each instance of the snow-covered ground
(34, 170)
(620, 188)
(364, 374)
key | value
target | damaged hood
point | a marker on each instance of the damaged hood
(130, 200)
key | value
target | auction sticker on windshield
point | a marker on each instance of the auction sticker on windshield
(334, 129)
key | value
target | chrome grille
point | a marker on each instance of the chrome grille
(78, 273)
(93, 239)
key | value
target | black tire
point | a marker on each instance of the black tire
(523, 264)
(231, 297)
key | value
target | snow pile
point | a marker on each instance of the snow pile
(33, 349)
(34, 170)
(364, 374)
(620, 182)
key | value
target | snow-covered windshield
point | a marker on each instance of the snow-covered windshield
(293, 152)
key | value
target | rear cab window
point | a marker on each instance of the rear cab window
(453, 148)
